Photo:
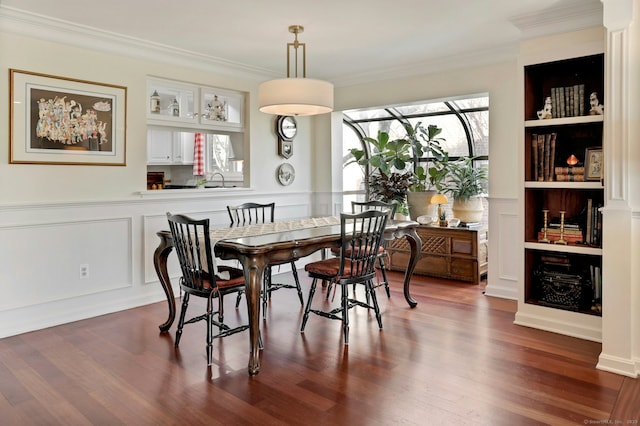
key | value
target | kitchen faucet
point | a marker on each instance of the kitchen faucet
(221, 177)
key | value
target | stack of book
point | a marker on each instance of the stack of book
(543, 150)
(572, 232)
(567, 101)
(569, 174)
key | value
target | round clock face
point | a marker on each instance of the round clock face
(287, 127)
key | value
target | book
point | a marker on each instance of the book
(547, 157)
(534, 156)
(588, 235)
(572, 170)
(552, 156)
(540, 157)
(556, 237)
(569, 178)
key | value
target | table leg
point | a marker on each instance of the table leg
(416, 245)
(253, 274)
(160, 263)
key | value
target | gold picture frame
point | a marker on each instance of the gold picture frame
(60, 120)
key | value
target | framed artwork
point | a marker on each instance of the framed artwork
(593, 163)
(59, 120)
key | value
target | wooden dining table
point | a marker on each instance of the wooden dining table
(255, 252)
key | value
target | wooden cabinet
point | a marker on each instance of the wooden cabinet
(562, 186)
(453, 253)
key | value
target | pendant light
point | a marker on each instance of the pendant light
(296, 95)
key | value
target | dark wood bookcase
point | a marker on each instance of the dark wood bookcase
(563, 276)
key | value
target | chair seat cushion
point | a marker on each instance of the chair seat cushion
(236, 277)
(328, 267)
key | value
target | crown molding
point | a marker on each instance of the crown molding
(455, 61)
(569, 15)
(33, 25)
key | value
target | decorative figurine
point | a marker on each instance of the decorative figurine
(545, 112)
(174, 108)
(155, 102)
(596, 107)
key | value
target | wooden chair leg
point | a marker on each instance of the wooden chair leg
(383, 270)
(307, 308)
(345, 313)
(297, 281)
(209, 329)
(183, 311)
(371, 289)
(266, 284)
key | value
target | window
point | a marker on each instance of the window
(220, 156)
(464, 122)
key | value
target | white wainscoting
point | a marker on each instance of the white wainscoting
(42, 248)
(504, 249)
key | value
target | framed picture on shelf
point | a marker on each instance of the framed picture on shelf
(60, 120)
(593, 163)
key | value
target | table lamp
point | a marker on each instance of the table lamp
(440, 199)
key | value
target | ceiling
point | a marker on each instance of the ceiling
(347, 40)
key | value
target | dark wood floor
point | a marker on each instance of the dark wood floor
(456, 359)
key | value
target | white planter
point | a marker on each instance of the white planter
(470, 210)
(420, 204)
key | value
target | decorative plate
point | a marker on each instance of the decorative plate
(286, 174)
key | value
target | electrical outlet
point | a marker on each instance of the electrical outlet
(84, 271)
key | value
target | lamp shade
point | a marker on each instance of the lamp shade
(295, 96)
(439, 199)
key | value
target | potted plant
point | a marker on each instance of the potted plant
(465, 183)
(388, 177)
(425, 143)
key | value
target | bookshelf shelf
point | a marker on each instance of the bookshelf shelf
(564, 121)
(557, 276)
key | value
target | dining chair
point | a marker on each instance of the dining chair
(193, 247)
(359, 206)
(255, 213)
(360, 238)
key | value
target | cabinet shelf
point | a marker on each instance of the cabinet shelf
(570, 248)
(597, 185)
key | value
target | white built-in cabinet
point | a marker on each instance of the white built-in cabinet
(168, 147)
(173, 103)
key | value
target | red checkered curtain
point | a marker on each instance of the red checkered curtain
(198, 155)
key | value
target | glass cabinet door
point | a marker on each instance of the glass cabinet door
(171, 102)
(221, 108)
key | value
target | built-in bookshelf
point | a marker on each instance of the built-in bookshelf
(563, 184)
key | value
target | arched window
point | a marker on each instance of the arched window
(464, 122)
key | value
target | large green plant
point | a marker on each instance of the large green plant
(388, 178)
(463, 180)
(425, 143)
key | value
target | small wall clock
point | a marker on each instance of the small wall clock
(286, 129)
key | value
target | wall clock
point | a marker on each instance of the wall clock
(286, 129)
